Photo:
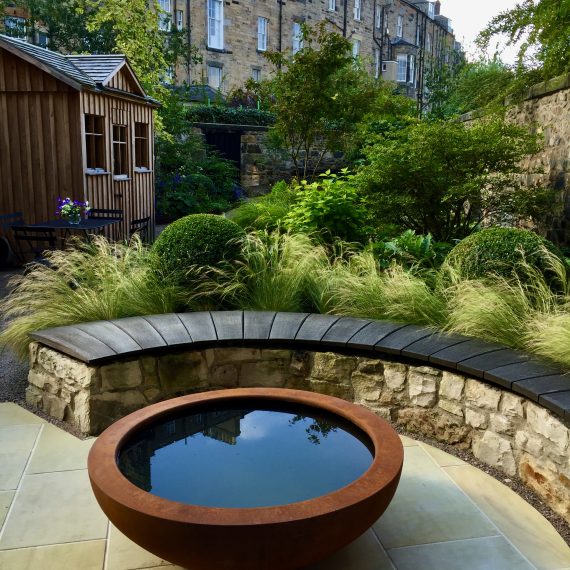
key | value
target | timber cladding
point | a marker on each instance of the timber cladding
(69, 126)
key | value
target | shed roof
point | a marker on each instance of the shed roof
(97, 67)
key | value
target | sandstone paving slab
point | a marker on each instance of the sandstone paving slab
(124, 554)
(442, 458)
(11, 415)
(6, 498)
(428, 507)
(406, 441)
(491, 553)
(365, 553)
(524, 526)
(53, 508)
(16, 444)
(57, 450)
(88, 555)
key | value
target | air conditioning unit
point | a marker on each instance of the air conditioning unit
(390, 70)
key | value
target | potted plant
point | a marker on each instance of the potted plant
(71, 210)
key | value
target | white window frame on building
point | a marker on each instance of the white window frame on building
(15, 27)
(256, 74)
(262, 24)
(412, 69)
(431, 10)
(356, 43)
(357, 9)
(165, 17)
(376, 55)
(378, 16)
(400, 27)
(332, 6)
(179, 19)
(216, 24)
(428, 42)
(215, 76)
(418, 34)
(297, 37)
(402, 71)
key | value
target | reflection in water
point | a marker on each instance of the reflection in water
(246, 457)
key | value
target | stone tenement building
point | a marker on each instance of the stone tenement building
(400, 40)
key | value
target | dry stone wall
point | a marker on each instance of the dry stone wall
(502, 429)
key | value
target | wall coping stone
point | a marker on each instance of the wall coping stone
(105, 341)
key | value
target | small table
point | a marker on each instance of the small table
(87, 226)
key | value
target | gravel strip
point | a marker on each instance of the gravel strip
(13, 382)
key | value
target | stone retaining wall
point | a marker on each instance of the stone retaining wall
(500, 428)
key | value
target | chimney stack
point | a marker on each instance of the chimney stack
(437, 8)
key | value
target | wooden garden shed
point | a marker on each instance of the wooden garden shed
(73, 125)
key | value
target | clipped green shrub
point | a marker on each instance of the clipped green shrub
(197, 240)
(502, 251)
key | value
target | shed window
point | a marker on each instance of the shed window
(120, 166)
(141, 146)
(95, 142)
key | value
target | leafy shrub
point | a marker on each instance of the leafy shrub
(229, 115)
(87, 282)
(331, 207)
(265, 212)
(197, 240)
(501, 251)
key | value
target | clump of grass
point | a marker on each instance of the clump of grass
(273, 273)
(88, 282)
(548, 335)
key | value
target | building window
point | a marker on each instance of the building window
(216, 24)
(378, 16)
(215, 77)
(400, 27)
(376, 63)
(15, 27)
(43, 39)
(412, 70)
(261, 34)
(401, 77)
(164, 15)
(428, 42)
(297, 37)
(179, 19)
(95, 142)
(431, 9)
(332, 5)
(120, 166)
(141, 146)
(418, 34)
(256, 74)
(357, 9)
(355, 48)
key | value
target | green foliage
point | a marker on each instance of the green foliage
(265, 212)
(190, 178)
(411, 251)
(501, 251)
(331, 207)
(320, 96)
(443, 177)
(542, 27)
(197, 240)
(229, 115)
(86, 282)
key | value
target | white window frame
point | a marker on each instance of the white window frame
(378, 16)
(13, 24)
(418, 34)
(165, 17)
(428, 42)
(332, 6)
(412, 70)
(262, 33)
(179, 19)
(356, 43)
(400, 27)
(376, 63)
(402, 71)
(297, 37)
(357, 9)
(431, 10)
(215, 76)
(216, 24)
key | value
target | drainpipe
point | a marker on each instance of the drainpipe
(280, 25)
(189, 40)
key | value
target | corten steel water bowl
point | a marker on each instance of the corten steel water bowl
(281, 537)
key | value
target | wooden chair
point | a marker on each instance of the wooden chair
(106, 214)
(140, 227)
(36, 239)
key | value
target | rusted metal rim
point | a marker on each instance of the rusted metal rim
(108, 479)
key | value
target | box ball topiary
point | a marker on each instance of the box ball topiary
(199, 239)
(500, 251)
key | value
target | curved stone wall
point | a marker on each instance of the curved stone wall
(503, 429)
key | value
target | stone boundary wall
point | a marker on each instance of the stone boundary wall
(502, 429)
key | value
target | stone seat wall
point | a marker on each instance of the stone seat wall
(511, 412)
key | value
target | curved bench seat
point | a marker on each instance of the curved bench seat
(104, 341)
